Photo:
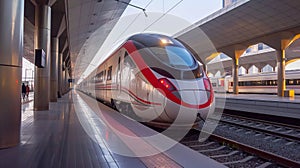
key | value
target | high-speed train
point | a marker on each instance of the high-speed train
(258, 83)
(157, 77)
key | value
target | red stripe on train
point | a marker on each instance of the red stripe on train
(129, 92)
(137, 58)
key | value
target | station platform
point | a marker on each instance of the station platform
(78, 131)
(260, 103)
(28, 99)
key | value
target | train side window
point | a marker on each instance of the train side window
(119, 62)
(100, 77)
(290, 82)
(269, 82)
(258, 83)
(255, 83)
(297, 81)
(109, 71)
(128, 61)
(260, 46)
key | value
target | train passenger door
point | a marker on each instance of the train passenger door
(119, 69)
(103, 95)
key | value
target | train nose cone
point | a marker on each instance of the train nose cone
(193, 97)
(197, 98)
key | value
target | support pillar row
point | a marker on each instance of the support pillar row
(42, 41)
(281, 85)
(54, 69)
(235, 69)
(66, 80)
(63, 82)
(59, 87)
(11, 52)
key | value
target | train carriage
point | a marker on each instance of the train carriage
(265, 83)
(157, 77)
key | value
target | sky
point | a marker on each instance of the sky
(161, 16)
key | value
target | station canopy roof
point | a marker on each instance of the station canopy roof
(244, 23)
(73, 21)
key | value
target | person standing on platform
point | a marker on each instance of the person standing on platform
(27, 90)
(23, 91)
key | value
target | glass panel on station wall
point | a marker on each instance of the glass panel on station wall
(28, 73)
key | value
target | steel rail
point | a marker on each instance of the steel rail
(286, 136)
(255, 151)
(264, 121)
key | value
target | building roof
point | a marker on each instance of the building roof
(242, 24)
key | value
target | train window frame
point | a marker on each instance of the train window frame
(119, 64)
(260, 46)
(109, 72)
(104, 75)
(173, 56)
(100, 76)
(290, 81)
(128, 61)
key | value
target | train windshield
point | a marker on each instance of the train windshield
(174, 56)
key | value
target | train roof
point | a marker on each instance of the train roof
(154, 40)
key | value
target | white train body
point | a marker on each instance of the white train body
(157, 77)
(258, 83)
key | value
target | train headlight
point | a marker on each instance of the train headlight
(165, 41)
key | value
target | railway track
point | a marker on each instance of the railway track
(235, 154)
(288, 132)
(244, 142)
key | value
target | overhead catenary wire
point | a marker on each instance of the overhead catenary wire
(143, 9)
(131, 23)
(164, 14)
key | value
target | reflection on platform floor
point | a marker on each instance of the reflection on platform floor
(55, 138)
